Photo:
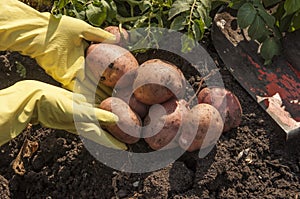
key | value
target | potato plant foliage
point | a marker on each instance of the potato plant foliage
(265, 27)
(191, 17)
(188, 16)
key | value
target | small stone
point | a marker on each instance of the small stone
(136, 183)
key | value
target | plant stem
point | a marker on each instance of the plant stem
(191, 14)
(212, 72)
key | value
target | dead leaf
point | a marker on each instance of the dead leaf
(27, 150)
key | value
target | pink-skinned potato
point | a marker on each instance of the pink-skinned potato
(158, 81)
(127, 95)
(128, 128)
(225, 102)
(109, 63)
(201, 128)
(163, 124)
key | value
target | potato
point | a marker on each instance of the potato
(109, 63)
(121, 34)
(127, 95)
(128, 128)
(158, 81)
(140, 108)
(201, 127)
(225, 102)
(162, 126)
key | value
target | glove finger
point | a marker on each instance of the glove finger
(98, 35)
(100, 86)
(90, 91)
(105, 89)
(85, 112)
(106, 117)
(93, 132)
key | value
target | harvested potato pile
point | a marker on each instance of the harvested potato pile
(149, 101)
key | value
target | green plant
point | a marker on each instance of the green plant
(266, 21)
(191, 17)
(21, 70)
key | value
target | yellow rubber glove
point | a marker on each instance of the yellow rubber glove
(31, 101)
(57, 44)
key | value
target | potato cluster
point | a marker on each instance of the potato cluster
(148, 99)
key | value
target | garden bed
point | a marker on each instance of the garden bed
(251, 161)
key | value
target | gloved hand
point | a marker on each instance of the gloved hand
(57, 44)
(31, 101)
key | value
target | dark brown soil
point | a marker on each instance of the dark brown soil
(251, 161)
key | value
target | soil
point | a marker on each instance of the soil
(253, 160)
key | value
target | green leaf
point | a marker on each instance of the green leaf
(78, 6)
(256, 3)
(187, 42)
(178, 23)
(236, 4)
(270, 47)
(279, 12)
(79, 15)
(267, 18)
(198, 29)
(206, 3)
(144, 6)
(296, 21)
(178, 7)
(95, 15)
(21, 70)
(257, 29)
(217, 4)
(269, 3)
(201, 10)
(291, 6)
(246, 15)
(62, 3)
(160, 21)
(111, 12)
(203, 13)
(285, 23)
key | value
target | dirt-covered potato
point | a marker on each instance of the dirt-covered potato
(121, 34)
(201, 127)
(158, 81)
(109, 63)
(162, 125)
(128, 128)
(225, 102)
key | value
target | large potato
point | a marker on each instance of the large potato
(162, 125)
(158, 81)
(109, 63)
(128, 128)
(225, 102)
(201, 127)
